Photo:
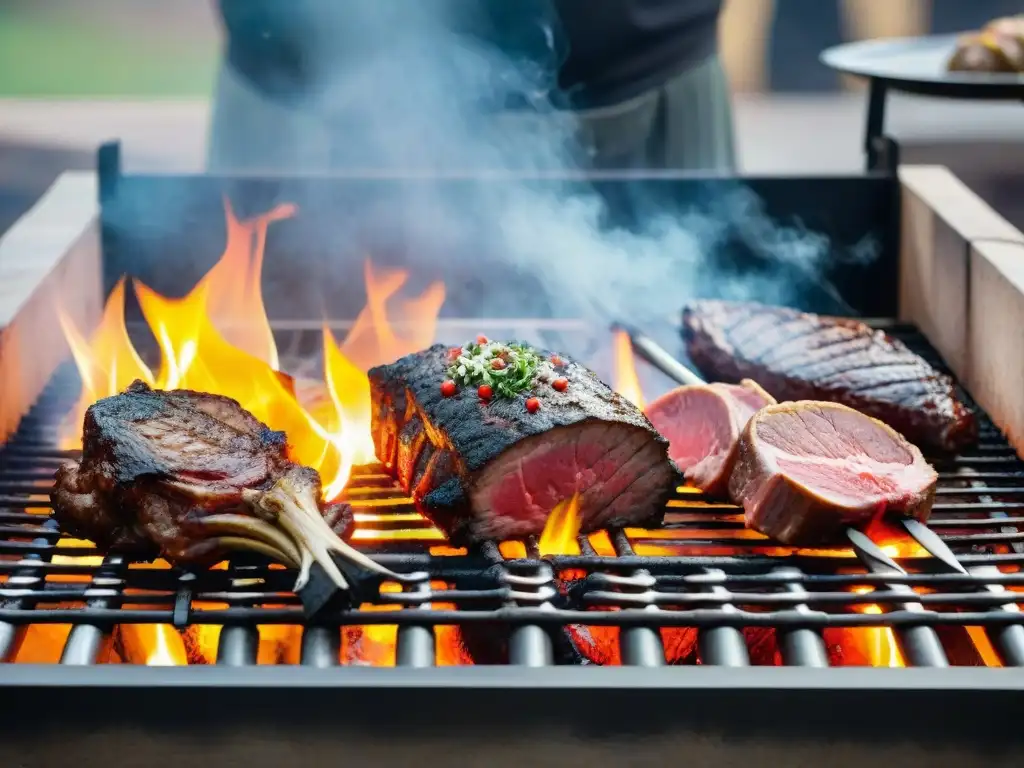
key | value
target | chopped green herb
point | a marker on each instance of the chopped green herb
(514, 374)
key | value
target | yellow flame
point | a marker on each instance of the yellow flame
(626, 381)
(562, 529)
(218, 339)
(881, 646)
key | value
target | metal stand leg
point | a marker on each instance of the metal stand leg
(880, 150)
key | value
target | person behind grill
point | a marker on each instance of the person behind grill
(641, 79)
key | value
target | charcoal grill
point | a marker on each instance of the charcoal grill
(960, 635)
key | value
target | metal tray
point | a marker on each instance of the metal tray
(918, 65)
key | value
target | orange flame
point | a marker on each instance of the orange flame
(626, 381)
(107, 362)
(561, 529)
(880, 642)
(218, 339)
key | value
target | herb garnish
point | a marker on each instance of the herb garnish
(509, 369)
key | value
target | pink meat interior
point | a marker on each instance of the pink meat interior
(696, 421)
(843, 456)
(749, 400)
(617, 469)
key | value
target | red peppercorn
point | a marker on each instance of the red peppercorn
(560, 384)
(481, 339)
(556, 360)
(485, 391)
(498, 364)
(448, 388)
(532, 404)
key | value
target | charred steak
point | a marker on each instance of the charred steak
(799, 356)
(193, 476)
(492, 460)
(702, 424)
(806, 471)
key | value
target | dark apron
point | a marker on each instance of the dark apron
(685, 124)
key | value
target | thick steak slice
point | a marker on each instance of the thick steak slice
(702, 424)
(808, 470)
(799, 356)
(493, 470)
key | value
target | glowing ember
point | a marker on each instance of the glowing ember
(561, 529)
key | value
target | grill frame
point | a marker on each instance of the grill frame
(527, 597)
(620, 716)
(776, 716)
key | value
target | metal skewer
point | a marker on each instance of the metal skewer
(658, 356)
(648, 349)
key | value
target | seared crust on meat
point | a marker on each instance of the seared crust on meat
(449, 452)
(799, 356)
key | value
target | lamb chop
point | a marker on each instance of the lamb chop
(193, 477)
(799, 356)
(489, 438)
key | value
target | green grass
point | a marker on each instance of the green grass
(45, 57)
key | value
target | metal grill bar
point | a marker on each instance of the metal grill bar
(25, 578)
(1009, 640)
(414, 646)
(238, 646)
(722, 646)
(641, 646)
(320, 647)
(800, 647)
(85, 641)
(703, 572)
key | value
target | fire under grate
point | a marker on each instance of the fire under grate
(699, 590)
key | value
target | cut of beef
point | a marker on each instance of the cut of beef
(808, 470)
(192, 477)
(495, 468)
(702, 423)
(799, 356)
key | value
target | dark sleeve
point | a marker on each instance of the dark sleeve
(266, 40)
(284, 45)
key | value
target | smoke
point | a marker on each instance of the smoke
(402, 89)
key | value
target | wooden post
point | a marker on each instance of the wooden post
(962, 284)
(49, 259)
(941, 218)
(995, 339)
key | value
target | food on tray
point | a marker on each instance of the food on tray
(800, 356)
(805, 471)
(488, 438)
(999, 47)
(702, 424)
(194, 477)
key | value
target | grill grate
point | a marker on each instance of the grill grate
(701, 583)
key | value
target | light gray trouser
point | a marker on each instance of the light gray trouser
(685, 124)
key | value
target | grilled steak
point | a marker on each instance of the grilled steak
(495, 468)
(808, 470)
(192, 477)
(799, 356)
(702, 424)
